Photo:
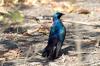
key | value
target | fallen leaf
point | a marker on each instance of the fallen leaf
(83, 11)
(12, 54)
(63, 7)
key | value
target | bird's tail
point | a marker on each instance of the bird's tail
(46, 52)
(52, 52)
(58, 50)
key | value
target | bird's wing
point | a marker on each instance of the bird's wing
(62, 34)
(53, 38)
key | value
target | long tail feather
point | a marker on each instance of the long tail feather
(45, 52)
(58, 49)
(52, 52)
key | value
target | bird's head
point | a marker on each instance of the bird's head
(58, 15)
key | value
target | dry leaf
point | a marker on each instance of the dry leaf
(27, 34)
(30, 31)
(28, 2)
(83, 11)
(2, 59)
(46, 1)
(97, 9)
(44, 28)
(12, 54)
(63, 7)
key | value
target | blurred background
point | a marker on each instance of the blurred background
(25, 26)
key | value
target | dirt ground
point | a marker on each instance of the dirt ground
(82, 28)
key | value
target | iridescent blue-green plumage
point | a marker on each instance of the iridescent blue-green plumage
(56, 38)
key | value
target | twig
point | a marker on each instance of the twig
(82, 52)
(28, 52)
(78, 43)
(85, 23)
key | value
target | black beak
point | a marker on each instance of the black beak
(63, 14)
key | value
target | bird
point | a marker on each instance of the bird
(56, 38)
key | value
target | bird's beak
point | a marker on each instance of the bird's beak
(63, 14)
